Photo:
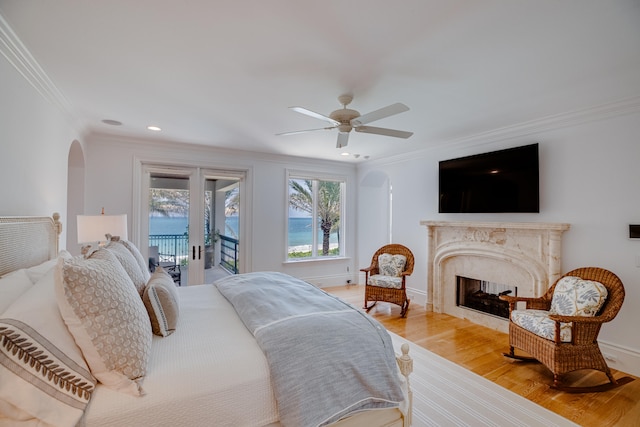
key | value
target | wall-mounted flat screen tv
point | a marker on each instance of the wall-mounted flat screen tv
(499, 181)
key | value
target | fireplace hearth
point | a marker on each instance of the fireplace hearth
(483, 296)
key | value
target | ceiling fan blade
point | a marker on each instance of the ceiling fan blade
(387, 111)
(343, 139)
(315, 115)
(384, 131)
(304, 131)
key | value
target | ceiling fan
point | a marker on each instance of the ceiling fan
(345, 119)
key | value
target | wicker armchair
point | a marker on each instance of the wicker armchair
(581, 351)
(393, 293)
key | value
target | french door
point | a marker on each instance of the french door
(189, 218)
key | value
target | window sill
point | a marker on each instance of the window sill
(324, 259)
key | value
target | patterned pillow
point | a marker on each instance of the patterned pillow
(574, 296)
(128, 261)
(44, 380)
(391, 265)
(161, 300)
(144, 266)
(106, 317)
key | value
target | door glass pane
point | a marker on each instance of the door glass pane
(169, 225)
(230, 238)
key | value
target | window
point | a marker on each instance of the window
(315, 210)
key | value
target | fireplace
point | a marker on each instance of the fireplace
(522, 257)
(483, 296)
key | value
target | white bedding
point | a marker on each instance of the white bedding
(218, 375)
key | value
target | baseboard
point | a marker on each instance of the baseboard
(621, 358)
(417, 296)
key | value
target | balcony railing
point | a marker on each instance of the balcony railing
(178, 245)
(229, 253)
(171, 244)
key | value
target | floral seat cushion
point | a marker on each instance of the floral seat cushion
(572, 296)
(382, 281)
(538, 322)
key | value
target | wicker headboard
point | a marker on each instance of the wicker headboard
(27, 241)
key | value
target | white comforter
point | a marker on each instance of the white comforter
(205, 384)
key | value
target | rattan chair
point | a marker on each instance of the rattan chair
(582, 352)
(388, 294)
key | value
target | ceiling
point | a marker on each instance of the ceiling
(223, 73)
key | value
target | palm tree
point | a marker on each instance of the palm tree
(328, 205)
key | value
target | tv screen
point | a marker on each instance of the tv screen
(500, 181)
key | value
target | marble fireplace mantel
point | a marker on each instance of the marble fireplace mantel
(524, 254)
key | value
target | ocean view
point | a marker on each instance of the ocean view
(299, 229)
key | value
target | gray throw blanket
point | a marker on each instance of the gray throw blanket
(327, 359)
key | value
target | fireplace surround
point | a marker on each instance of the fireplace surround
(526, 256)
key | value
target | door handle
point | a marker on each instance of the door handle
(193, 252)
(199, 252)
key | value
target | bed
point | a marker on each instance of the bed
(214, 354)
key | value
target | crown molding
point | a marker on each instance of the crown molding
(532, 127)
(19, 56)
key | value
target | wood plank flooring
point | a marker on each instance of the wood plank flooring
(480, 349)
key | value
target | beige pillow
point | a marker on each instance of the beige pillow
(144, 265)
(44, 380)
(106, 317)
(128, 261)
(161, 300)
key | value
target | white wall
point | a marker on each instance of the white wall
(110, 183)
(589, 178)
(34, 138)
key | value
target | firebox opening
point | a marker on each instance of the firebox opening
(483, 296)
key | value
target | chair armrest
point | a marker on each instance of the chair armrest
(576, 319)
(368, 269)
(532, 303)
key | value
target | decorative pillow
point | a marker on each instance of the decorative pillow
(106, 317)
(12, 286)
(538, 322)
(144, 265)
(574, 296)
(161, 300)
(391, 265)
(43, 377)
(128, 261)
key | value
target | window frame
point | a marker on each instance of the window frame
(316, 177)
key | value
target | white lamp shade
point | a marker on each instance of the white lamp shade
(94, 228)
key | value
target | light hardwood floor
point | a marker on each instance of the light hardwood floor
(480, 349)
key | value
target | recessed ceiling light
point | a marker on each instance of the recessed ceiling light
(112, 122)
(154, 128)
(344, 153)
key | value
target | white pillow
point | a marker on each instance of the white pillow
(12, 286)
(106, 317)
(35, 273)
(43, 376)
